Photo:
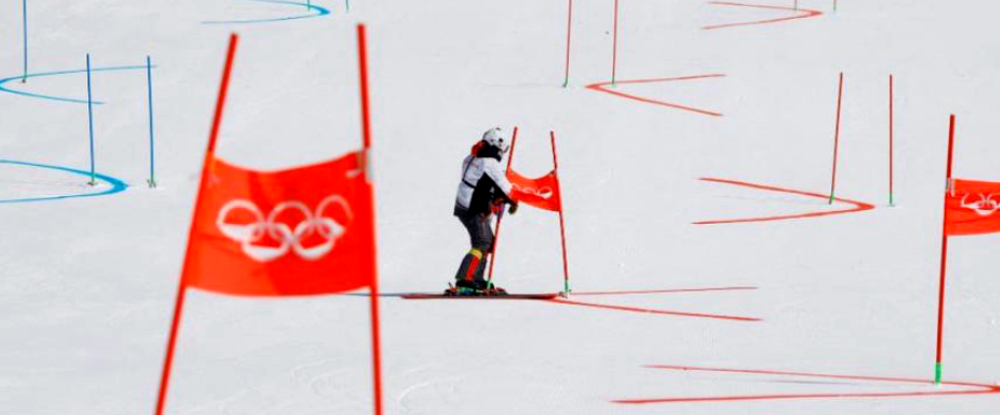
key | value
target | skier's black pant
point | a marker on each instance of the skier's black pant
(481, 239)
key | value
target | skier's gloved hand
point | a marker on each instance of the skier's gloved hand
(513, 208)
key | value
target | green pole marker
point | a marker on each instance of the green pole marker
(937, 373)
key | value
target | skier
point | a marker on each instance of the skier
(483, 191)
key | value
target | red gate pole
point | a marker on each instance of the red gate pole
(569, 33)
(891, 121)
(496, 235)
(944, 256)
(836, 138)
(182, 289)
(562, 223)
(367, 140)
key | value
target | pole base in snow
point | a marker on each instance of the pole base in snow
(937, 373)
(91, 183)
(152, 183)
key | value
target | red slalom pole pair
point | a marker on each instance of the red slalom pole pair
(562, 222)
(206, 168)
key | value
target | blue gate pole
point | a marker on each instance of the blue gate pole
(152, 148)
(90, 117)
(24, 15)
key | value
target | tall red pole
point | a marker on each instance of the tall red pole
(891, 120)
(496, 235)
(562, 223)
(569, 33)
(182, 288)
(614, 47)
(367, 140)
(944, 255)
(836, 138)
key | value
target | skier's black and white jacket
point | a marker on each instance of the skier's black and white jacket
(483, 181)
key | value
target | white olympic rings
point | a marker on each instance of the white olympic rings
(544, 192)
(985, 206)
(289, 238)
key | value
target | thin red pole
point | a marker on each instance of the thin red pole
(496, 235)
(562, 223)
(569, 33)
(836, 138)
(367, 141)
(944, 255)
(891, 121)
(182, 288)
(614, 47)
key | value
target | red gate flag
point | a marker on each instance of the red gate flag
(293, 232)
(542, 193)
(301, 231)
(973, 207)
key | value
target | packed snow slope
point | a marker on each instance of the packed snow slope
(88, 283)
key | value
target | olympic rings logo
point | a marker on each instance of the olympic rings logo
(290, 238)
(544, 192)
(985, 206)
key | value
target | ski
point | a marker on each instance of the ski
(431, 296)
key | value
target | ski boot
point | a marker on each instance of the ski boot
(474, 288)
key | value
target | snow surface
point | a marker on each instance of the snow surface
(88, 284)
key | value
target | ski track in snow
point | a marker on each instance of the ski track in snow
(969, 388)
(9, 90)
(606, 88)
(858, 206)
(320, 11)
(117, 185)
(801, 13)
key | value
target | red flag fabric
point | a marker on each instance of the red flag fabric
(300, 231)
(973, 207)
(542, 193)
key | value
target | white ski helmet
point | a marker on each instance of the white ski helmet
(495, 137)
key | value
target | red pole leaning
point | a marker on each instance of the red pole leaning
(209, 156)
(496, 235)
(569, 33)
(891, 120)
(366, 134)
(614, 47)
(944, 255)
(562, 223)
(836, 138)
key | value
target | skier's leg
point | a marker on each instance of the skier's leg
(484, 242)
(472, 260)
(470, 266)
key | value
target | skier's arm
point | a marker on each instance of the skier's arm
(492, 170)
